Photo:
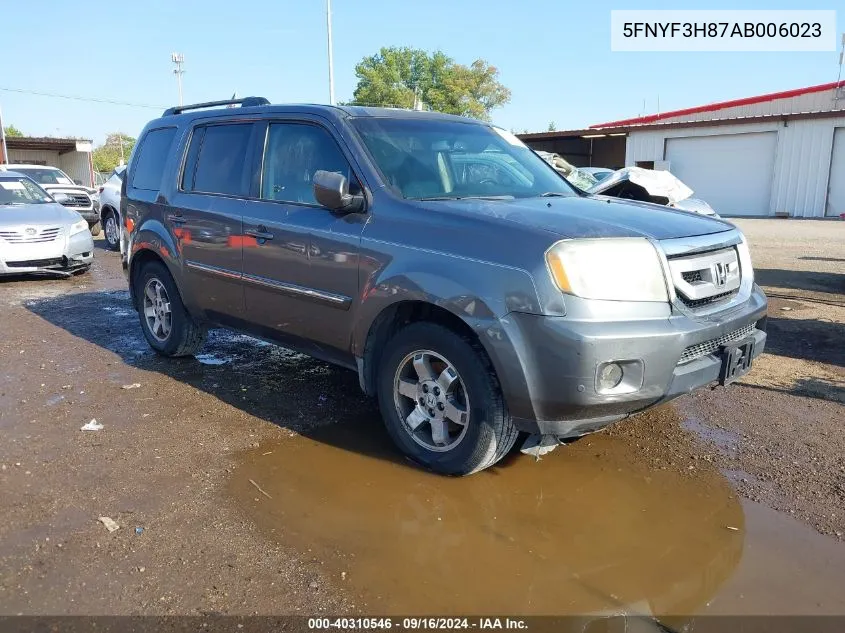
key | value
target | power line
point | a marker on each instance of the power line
(78, 98)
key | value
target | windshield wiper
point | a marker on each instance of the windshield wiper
(465, 198)
(554, 194)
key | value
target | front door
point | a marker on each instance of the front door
(301, 272)
(207, 217)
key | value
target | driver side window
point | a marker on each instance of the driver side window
(293, 152)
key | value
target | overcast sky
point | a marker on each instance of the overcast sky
(554, 55)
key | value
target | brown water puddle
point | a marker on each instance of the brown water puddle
(588, 529)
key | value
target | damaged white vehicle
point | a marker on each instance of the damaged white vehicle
(649, 185)
(37, 233)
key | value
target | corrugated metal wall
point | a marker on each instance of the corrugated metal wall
(802, 160)
(34, 156)
(74, 164)
(77, 166)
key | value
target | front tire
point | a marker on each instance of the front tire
(166, 324)
(111, 230)
(441, 401)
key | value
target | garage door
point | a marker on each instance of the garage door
(836, 188)
(733, 172)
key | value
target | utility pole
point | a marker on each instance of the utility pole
(331, 60)
(4, 149)
(178, 59)
(120, 140)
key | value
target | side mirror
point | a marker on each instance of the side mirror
(77, 181)
(61, 198)
(332, 191)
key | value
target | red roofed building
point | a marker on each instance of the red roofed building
(781, 153)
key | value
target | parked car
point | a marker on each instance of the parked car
(575, 175)
(472, 308)
(599, 173)
(81, 199)
(110, 209)
(649, 185)
(37, 233)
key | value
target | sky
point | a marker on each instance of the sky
(554, 56)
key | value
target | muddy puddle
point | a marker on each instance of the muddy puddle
(588, 529)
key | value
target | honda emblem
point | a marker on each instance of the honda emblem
(720, 274)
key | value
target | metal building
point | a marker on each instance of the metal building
(776, 154)
(73, 156)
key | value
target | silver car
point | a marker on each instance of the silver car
(37, 233)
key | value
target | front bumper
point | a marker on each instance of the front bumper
(61, 256)
(550, 382)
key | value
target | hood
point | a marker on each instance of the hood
(656, 183)
(37, 215)
(54, 188)
(695, 205)
(591, 216)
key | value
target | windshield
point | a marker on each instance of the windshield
(581, 179)
(45, 175)
(425, 159)
(21, 191)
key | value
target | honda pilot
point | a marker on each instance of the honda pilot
(474, 291)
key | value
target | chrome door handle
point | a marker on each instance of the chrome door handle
(260, 233)
(176, 218)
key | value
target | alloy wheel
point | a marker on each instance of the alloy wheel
(431, 400)
(157, 310)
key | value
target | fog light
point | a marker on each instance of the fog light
(610, 376)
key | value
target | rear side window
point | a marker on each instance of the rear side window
(154, 151)
(221, 161)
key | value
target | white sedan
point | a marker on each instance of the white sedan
(37, 233)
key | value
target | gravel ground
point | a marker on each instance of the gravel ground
(171, 447)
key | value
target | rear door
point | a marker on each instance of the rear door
(206, 216)
(301, 272)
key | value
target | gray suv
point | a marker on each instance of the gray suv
(473, 290)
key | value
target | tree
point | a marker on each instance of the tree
(552, 126)
(404, 77)
(11, 130)
(108, 155)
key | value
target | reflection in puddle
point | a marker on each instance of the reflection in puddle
(587, 529)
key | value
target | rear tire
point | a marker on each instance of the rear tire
(413, 417)
(166, 324)
(95, 229)
(111, 230)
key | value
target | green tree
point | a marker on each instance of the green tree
(404, 77)
(11, 130)
(552, 126)
(107, 156)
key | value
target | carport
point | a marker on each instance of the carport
(71, 155)
(582, 148)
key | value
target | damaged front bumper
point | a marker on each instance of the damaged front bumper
(62, 257)
(661, 359)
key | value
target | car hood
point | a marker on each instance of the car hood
(37, 215)
(656, 183)
(593, 216)
(67, 188)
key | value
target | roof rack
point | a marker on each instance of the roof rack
(246, 102)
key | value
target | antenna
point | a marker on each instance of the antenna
(331, 57)
(178, 59)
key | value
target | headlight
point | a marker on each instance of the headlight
(78, 227)
(614, 269)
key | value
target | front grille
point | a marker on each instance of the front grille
(24, 237)
(692, 276)
(77, 200)
(37, 263)
(709, 347)
(698, 303)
